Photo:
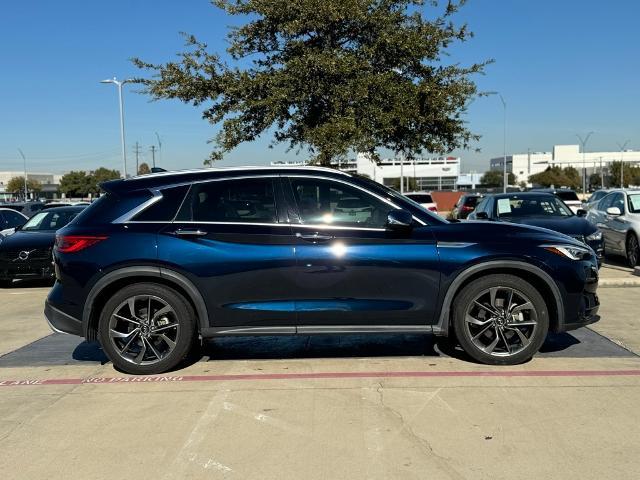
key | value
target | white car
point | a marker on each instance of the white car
(352, 210)
(424, 199)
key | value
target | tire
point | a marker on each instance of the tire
(138, 346)
(487, 333)
(632, 251)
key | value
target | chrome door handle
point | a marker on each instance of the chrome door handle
(314, 237)
(182, 232)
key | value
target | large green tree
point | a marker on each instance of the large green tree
(330, 76)
(77, 184)
(16, 185)
(557, 176)
(494, 178)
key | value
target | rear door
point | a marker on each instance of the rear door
(232, 239)
(352, 273)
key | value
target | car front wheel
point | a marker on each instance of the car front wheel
(500, 320)
(147, 328)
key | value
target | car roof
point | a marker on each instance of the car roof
(72, 208)
(530, 193)
(162, 179)
(552, 190)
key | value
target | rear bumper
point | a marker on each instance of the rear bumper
(60, 322)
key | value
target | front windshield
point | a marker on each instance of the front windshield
(517, 206)
(633, 202)
(49, 220)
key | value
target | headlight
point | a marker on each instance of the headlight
(595, 236)
(570, 251)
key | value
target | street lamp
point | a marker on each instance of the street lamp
(505, 177)
(584, 141)
(119, 84)
(622, 147)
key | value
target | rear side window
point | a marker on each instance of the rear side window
(420, 197)
(236, 201)
(110, 207)
(471, 201)
(166, 208)
(567, 196)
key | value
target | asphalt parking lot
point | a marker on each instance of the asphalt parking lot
(394, 406)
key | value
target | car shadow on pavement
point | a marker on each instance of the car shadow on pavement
(59, 349)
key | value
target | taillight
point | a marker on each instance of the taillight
(466, 208)
(75, 243)
(433, 209)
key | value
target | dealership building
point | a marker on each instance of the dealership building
(525, 164)
(49, 182)
(435, 173)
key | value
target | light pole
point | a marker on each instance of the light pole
(119, 84)
(505, 177)
(24, 159)
(584, 141)
(622, 147)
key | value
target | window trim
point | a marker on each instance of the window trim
(157, 196)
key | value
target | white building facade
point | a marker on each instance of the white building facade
(49, 182)
(525, 164)
(437, 173)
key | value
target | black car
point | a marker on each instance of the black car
(162, 260)
(26, 208)
(544, 210)
(465, 205)
(26, 254)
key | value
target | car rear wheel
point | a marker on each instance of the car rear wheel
(633, 252)
(147, 328)
(500, 320)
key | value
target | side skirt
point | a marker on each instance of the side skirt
(315, 330)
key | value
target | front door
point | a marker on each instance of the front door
(231, 240)
(351, 270)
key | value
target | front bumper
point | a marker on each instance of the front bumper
(35, 270)
(585, 305)
(60, 322)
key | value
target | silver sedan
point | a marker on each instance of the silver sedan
(617, 215)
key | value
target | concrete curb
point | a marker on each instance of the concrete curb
(619, 282)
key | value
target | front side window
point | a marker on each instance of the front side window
(13, 219)
(633, 203)
(324, 202)
(238, 201)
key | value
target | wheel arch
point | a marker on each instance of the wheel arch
(117, 279)
(531, 273)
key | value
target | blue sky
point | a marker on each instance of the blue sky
(564, 67)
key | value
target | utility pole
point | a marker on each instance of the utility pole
(24, 159)
(153, 155)
(584, 141)
(622, 147)
(136, 150)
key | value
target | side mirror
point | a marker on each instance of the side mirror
(399, 220)
(615, 211)
(482, 216)
(581, 212)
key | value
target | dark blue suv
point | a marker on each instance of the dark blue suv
(163, 260)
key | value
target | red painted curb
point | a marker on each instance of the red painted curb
(319, 375)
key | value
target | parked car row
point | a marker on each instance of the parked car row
(26, 247)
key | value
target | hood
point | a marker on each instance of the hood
(573, 225)
(501, 232)
(24, 240)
